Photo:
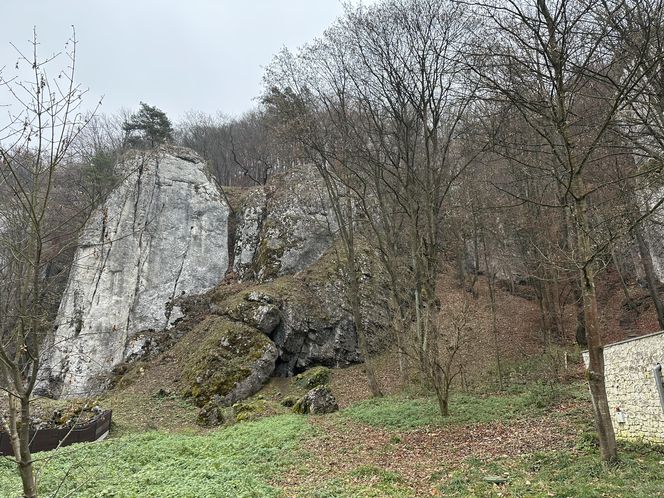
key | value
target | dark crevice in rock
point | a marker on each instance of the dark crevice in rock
(233, 223)
(169, 308)
(139, 181)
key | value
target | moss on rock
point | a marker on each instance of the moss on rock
(258, 308)
(313, 377)
(318, 401)
(250, 410)
(226, 356)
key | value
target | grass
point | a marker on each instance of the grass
(233, 462)
(402, 412)
(255, 459)
(564, 474)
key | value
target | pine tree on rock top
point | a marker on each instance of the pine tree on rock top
(148, 127)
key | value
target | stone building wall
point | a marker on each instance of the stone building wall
(631, 387)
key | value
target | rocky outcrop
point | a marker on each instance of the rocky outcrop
(161, 234)
(232, 362)
(283, 227)
(306, 315)
(149, 271)
(251, 332)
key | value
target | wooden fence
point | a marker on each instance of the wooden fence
(48, 439)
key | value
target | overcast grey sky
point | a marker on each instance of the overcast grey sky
(180, 55)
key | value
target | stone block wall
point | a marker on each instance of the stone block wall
(631, 387)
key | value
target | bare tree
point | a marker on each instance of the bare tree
(43, 120)
(242, 151)
(453, 330)
(380, 101)
(555, 64)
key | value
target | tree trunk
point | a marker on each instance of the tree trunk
(19, 434)
(595, 375)
(595, 371)
(354, 288)
(651, 277)
(26, 466)
(443, 403)
(494, 322)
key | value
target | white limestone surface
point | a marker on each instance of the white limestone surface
(162, 233)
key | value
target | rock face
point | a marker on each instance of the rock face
(161, 234)
(284, 226)
(306, 315)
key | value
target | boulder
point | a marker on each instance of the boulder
(314, 377)
(318, 401)
(212, 415)
(232, 362)
(161, 234)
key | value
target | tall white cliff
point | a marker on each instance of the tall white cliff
(162, 233)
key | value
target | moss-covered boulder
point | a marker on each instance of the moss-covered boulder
(314, 377)
(249, 410)
(212, 415)
(232, 362)
(258, 308)
(318, 401)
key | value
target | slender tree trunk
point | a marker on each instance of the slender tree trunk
(494, 322)
(595, 371)
(400, 324)
(374, 387)
(401, 347)
(546, 326)
(494, 328)
(354, 288)
(651, 277)
(442, 395)
(19, 425)
(623, 284)
(26, 466)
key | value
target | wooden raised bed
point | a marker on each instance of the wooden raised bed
(49, 439)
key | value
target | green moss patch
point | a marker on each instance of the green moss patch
(250, 410)
(224, 357)
(313, 377)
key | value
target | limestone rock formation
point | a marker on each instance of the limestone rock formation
(284, 226)
(161, 234)
(148, 277)
(232, 362)
(306, 315)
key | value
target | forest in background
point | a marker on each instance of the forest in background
(519, 143)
